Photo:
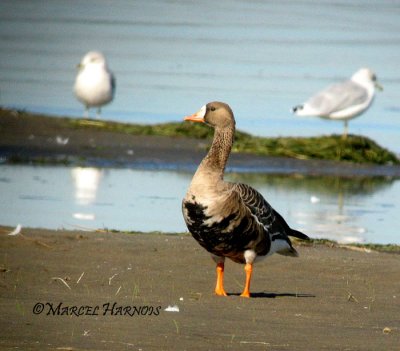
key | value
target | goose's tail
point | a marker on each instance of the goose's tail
(299, 235)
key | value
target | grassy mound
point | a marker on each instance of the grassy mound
(355, 148)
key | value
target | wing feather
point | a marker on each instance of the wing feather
(256, 203)
(273, 222)
(338, 97)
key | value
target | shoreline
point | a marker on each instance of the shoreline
(42, 140)
(353, 306)
(389, 248)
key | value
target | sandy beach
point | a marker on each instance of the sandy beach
(71, 290)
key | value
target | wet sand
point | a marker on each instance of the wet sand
(71, 290)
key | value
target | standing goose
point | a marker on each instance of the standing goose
(231, 219)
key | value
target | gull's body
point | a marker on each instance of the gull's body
(344, 100)
(95, 83)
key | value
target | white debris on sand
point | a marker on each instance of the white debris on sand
(173, 308)
(62, 141)
(16, 231)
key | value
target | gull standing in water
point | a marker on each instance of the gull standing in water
(344, 100)
(94, 83)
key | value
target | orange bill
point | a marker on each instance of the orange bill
(198, 116)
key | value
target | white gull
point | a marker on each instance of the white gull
(344, 100)
(94, 83)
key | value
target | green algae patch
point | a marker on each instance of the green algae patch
(355, 148)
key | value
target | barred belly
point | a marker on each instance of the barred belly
(229, 237)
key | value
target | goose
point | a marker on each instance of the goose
(95, 83)
(344, 100)
(231, 220)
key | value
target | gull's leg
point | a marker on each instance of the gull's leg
(98, 112)
(345, 131)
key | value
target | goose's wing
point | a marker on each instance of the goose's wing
(338, 97)
(273, 222)
(256, 203)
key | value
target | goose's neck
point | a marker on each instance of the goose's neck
(217, 157)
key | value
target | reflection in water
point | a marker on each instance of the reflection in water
(329, 185)
(334, 207)
(327, 224)
(84, 216)
(86, 182)
(343, 209)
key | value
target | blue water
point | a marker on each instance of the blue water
(171, 57)
(347, 210)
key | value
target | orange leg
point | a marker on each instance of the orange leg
(248, 268)
(219, 288)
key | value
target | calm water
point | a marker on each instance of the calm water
(171, 57)
(346, 210)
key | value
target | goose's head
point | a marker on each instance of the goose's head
(216, 114)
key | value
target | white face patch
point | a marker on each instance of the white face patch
(202, 112)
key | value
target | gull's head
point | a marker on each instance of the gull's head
(365, 76)
(93, 58)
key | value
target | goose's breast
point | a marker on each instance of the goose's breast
(224, 232)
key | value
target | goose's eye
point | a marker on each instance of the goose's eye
(212, 108)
